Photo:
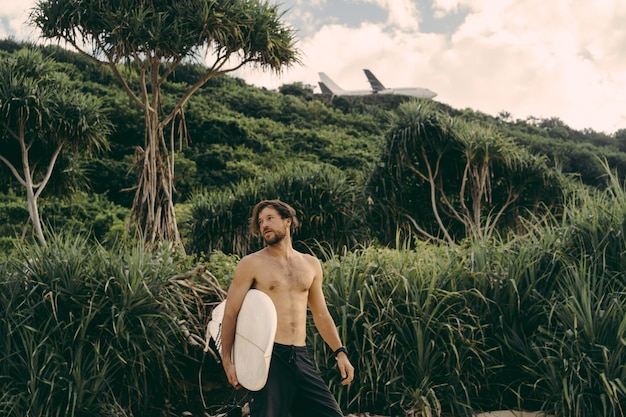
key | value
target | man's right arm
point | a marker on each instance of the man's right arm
(242, 281)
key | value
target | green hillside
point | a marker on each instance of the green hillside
(237, 133)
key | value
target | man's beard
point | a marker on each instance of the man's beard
(277, 237)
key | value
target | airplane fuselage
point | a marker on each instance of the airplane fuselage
(413, 92)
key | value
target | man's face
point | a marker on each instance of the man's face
(273, 228)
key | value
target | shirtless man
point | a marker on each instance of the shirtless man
(292, 280)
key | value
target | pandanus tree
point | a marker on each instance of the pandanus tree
(449, 179)
(42, 117)
(143, 42)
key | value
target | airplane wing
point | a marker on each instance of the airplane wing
(379, 88)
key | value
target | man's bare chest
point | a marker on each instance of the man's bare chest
(278, 277)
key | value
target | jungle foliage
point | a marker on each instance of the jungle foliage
(534, 322)
(43, 120)
(142, 43)
(240, 133)
(527, 314)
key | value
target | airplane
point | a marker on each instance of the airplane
(328, 86)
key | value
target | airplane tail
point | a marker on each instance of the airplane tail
(325, 89)
(376, 85)
(329, 84)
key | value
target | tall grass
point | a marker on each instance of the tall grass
(86, 332)
(417, 343)
(580, 350)
(535, 323)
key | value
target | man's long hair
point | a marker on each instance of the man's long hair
(284, 210)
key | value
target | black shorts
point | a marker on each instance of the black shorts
(293, 386)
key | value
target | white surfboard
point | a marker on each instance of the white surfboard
(254, 337)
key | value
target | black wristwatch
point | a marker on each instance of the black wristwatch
(339, 350)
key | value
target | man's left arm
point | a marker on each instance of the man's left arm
(326, 325)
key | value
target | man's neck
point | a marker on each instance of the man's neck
(282, 249)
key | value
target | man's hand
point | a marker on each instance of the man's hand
(229, 367)
(345, 368)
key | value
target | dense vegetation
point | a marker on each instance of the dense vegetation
(513, 301)
(237, 133)
(536, 323)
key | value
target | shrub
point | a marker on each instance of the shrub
(86, 332)
(90, 215)
(13, 218)
(535, 322)
(417, 344)
(329, 206)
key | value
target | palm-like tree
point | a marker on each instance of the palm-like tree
(474, 176)
(143, 43)
(39, 109)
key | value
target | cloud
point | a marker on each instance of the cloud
(402, 14)
(547, 59)
(13, 20)
(557, 58)
(561, 58)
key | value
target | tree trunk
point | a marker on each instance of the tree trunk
(153, 206)
(31, 198)
(33, 212)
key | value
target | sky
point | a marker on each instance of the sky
(529, 58)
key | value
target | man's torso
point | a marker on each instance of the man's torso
(287, 283)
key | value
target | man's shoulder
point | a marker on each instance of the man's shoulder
(251, 257)
(308, 257)
(310, 260)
